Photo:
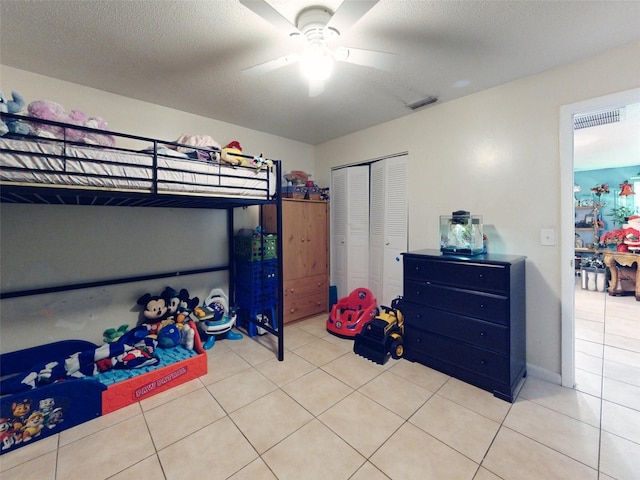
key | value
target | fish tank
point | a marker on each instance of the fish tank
(461, 233)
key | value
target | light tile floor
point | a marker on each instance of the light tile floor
(325, 413)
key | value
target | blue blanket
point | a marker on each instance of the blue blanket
(135, 349)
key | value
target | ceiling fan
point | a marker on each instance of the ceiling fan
(317, 27)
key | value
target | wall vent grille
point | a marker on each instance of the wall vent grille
(598, 118)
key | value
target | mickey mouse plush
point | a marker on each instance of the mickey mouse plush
(155, 311)
(179, 304)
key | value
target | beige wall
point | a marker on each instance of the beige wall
(496, 153)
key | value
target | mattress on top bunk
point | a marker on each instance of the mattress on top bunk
(51, 163)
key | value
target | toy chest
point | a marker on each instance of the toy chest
(256, 247)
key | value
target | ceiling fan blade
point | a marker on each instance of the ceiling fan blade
(271, 65)
(367, 58)
(271, 15)
(349, 13)
(316, 87)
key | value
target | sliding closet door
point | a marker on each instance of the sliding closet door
(350, 228)
(388, 227)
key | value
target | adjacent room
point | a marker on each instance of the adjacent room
(345, 239)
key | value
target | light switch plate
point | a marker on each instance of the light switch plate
(548, 237)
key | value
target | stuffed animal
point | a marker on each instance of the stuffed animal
(232, 154)
(154, 311)
(15, 105)
(172, 299)
(113, 334)
(179, 304)
(260, 162)
(48, 110)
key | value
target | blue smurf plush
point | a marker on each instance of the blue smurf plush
(15, 105)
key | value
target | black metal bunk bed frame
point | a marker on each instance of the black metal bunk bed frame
(53, 194)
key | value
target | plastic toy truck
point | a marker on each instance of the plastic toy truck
(382, 337)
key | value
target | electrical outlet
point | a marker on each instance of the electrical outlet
(547, 237)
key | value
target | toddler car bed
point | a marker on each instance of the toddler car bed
(36, 413)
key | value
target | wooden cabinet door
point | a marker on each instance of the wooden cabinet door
(304, 237)
(315, 243)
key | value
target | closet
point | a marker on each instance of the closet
(388, 227)
(304, 256)
(369, 227)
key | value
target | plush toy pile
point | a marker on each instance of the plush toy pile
(48, 110)
(165, 317)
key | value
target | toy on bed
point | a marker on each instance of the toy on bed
(48, 110)
(215, 318)
(260, 162)
(232, 154)
(15, 105)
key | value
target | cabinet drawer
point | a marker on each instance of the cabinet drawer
(484, 277)
(484, 362)
(485, 306)
(303, 287)
(302, 307)
(465, 329)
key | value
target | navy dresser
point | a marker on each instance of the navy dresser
(465, 316)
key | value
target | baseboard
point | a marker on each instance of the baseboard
(544, 374)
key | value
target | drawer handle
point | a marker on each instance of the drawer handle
(291, 290)
(483, 334)
(292, 310)
(482, 305)
(480, 276)
(483, 362)
(419, 315)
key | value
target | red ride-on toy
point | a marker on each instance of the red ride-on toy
(350, 313)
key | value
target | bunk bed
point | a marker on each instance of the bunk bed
(62, 170)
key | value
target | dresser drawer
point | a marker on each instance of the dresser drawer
(485, 277)
(303, 287)
(485, 306)
(465, 329)
(418, 343)
(296, 308)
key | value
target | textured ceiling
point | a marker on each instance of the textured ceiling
(189, 55)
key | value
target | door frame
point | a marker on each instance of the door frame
(567, 253)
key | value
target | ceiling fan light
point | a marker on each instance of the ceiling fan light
(316, 64)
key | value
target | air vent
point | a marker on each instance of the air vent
(422, 102)
(598, 118)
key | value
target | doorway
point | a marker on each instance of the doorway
(567, 219)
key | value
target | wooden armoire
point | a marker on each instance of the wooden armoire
(305, 242)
